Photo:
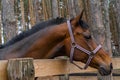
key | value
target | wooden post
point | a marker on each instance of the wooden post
(21, 69)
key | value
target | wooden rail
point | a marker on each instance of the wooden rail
(49, 67)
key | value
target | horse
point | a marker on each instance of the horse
(59, 37)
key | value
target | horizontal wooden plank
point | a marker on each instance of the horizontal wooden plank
(48, 67)
(76, 78)
(57, 67)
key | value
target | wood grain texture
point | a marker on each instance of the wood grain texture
(20, 69)
(49, 67)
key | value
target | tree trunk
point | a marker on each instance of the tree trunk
(31, 13)
(114, 29)
(54, 8)
(8, 19)
(49, 8)
(22, 14)
(0, 25)
(117, 3)
(45, 14)
(99, 21)
(26, 14)
(37, 10)
(71, 8)
(77, 7)
(106, 23)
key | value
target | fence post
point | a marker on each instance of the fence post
(21, 69)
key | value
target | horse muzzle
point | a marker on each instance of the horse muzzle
(105, 70)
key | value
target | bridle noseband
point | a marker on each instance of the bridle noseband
(75, 45)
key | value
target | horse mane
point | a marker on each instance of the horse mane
(35, 28)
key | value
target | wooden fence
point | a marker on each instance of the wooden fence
(10, 69)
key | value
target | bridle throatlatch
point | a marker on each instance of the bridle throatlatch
(74, 46)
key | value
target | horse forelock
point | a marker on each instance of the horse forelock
(35, 28)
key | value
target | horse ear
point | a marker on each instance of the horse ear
(81, 15)
(77, 19)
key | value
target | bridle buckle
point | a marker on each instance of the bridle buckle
(92, 54)
(73, 44)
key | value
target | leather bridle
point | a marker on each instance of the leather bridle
(74, 46)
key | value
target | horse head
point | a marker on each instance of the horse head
(81, 46)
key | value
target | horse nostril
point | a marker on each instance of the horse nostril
(102, 69)
(111, 66)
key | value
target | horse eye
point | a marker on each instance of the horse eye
(88, 37)
(78, 33)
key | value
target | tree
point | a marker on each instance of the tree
(8, 19)
(37, 10)
(31, 13)
(0, 29)
(22, 14)
(117, 3)
(55, 8)
(71, 8)
(98, 18)
(114, 28)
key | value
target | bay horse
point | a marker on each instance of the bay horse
(59, 37)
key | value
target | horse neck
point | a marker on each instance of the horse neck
(45, 42)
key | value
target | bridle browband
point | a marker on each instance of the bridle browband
(75, 45)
